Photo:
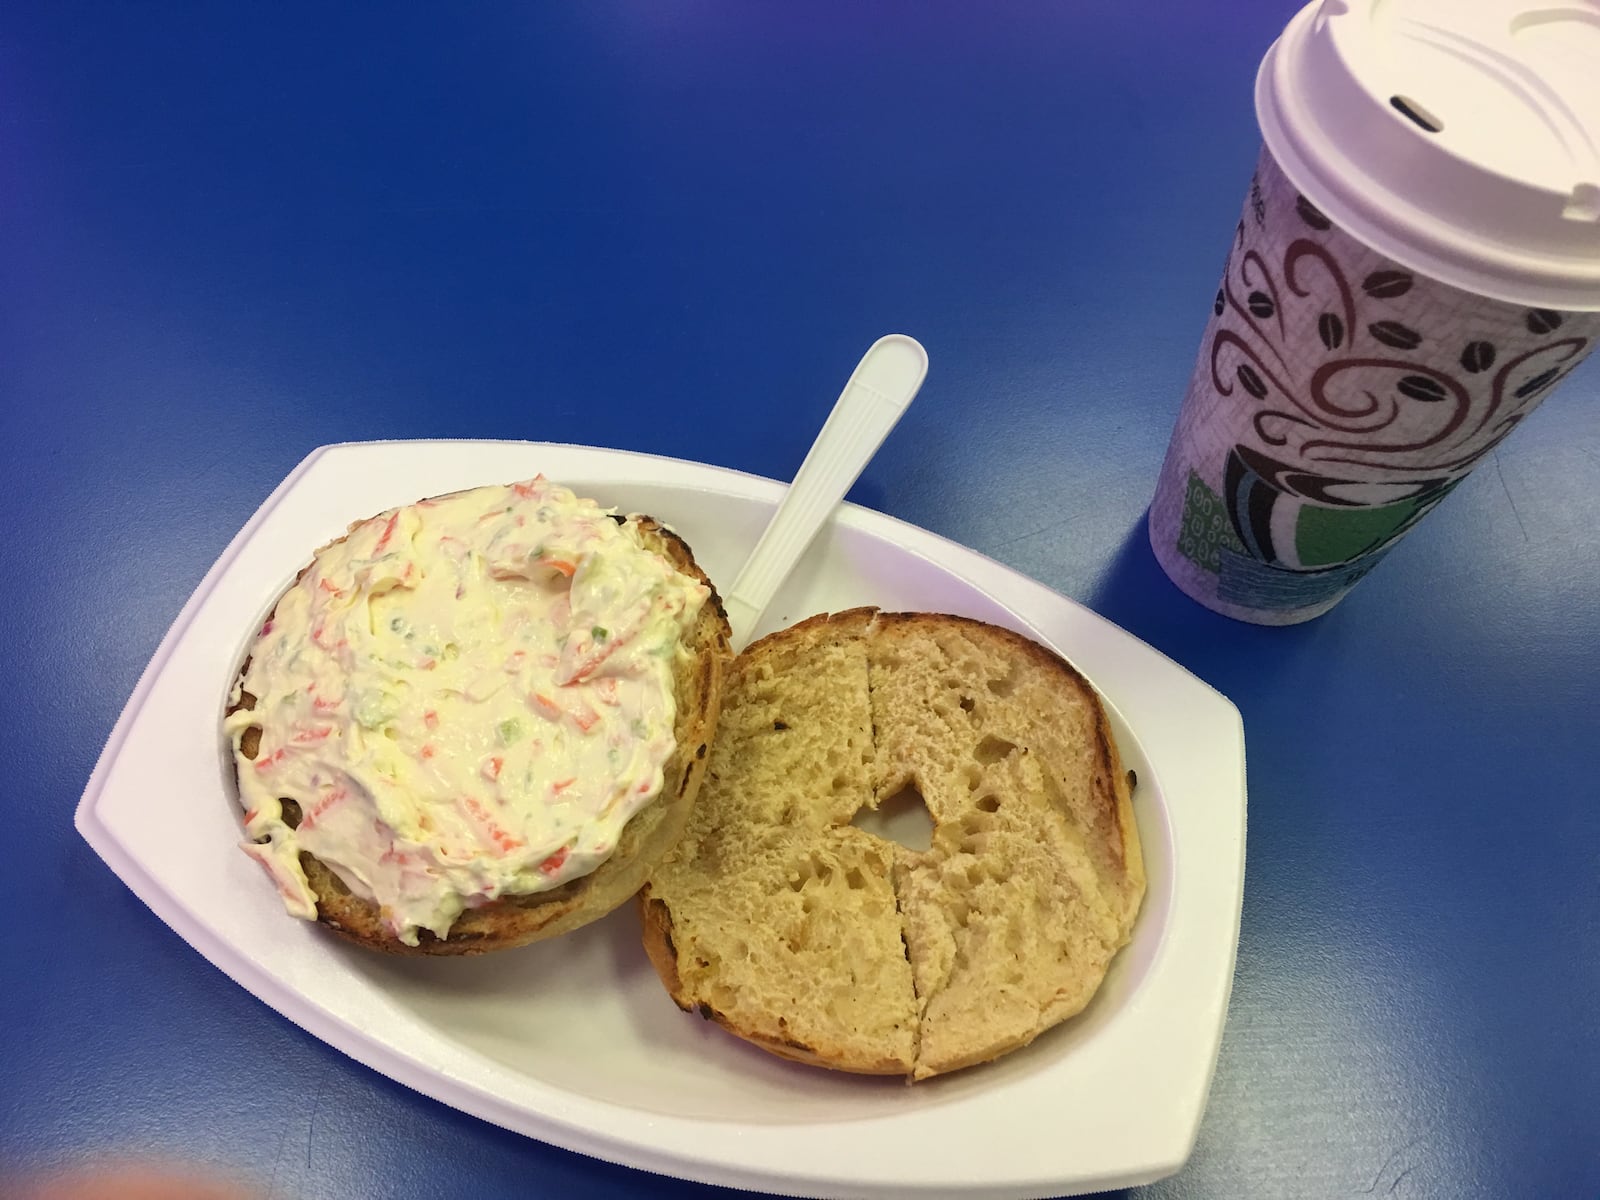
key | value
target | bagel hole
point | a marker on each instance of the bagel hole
(902, 818)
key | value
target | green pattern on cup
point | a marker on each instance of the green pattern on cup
(1324, 536)
(1205, 530)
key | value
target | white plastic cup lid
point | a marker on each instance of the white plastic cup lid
(1458, 137)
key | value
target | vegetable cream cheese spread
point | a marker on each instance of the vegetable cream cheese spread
(467, 698)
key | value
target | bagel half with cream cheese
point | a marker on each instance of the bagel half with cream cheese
(821, 942)
(478, 721)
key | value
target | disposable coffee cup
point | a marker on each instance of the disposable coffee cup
(1416, 267)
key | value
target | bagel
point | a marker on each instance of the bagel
(447, 642)
(827, 944)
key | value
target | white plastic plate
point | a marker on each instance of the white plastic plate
(574, 1041)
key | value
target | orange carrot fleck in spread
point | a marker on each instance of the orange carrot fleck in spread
(553, 863)
(388, 532)
(504, 841)
(322, 806)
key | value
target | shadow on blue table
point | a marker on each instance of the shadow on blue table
(1134, 593)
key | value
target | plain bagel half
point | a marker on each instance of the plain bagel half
(826, 944)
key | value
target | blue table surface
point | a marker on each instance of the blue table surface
(230, 234)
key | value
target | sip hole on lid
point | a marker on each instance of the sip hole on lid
(1416, 113)
(1364, 105)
